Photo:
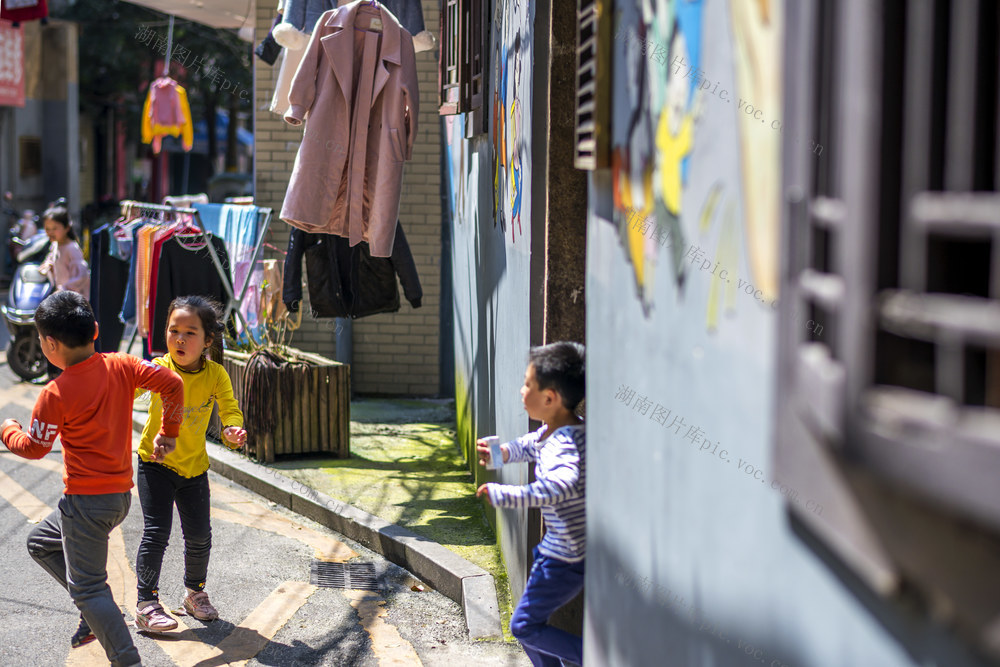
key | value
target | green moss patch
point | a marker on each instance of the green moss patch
(406, 468)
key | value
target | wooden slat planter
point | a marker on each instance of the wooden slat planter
(311, 415)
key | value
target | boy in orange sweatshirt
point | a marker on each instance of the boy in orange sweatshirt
(90, 407)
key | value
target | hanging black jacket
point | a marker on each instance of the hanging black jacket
(345, 281)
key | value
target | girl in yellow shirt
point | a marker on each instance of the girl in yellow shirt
(181, 478)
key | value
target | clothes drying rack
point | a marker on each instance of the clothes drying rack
(234, 299)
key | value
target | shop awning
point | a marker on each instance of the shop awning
(214, 13)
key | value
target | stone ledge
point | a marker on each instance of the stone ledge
(466, 583)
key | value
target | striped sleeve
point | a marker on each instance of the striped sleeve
(561, 483)
(523, 448)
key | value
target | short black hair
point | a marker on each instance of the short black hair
(67, 317)
(561, 366)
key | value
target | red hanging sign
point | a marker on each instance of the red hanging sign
(11, 65)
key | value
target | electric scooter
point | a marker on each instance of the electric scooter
(27, 290)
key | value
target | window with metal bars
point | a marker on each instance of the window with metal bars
(593, 103)
(890, 417)
(449, 81)
(462, 67)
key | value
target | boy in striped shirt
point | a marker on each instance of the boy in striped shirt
(554, 385)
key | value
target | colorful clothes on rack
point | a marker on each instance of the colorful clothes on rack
(184, 269)
(128, 314)
(144, 260)
(166, 113)
(237, 225)
(108, 279)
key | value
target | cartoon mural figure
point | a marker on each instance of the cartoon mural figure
(499, 129)
(508, 136)
(632, 156)
(758, 77)
(515, 161)
(655, 126)
(650, 162)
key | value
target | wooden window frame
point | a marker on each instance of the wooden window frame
(901, 462)
(462, 69)
(592, 140)
(29, 156)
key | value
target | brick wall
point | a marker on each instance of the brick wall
(394, 353)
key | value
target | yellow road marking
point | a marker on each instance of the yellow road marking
(254, 516)
(254, 633)
(387, 644)
(22, 398)
(46, 464)
(22, 500)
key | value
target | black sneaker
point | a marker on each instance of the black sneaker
(83, 635)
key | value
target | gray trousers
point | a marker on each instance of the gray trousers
(72, 545)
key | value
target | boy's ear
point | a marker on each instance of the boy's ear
(48, 341)
(97, 329)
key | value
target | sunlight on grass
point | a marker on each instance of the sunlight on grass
(412, 475)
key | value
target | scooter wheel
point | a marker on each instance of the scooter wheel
(25, 357)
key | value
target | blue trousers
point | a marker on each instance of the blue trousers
(551, 584)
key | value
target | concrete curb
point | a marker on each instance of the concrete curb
(467, 584)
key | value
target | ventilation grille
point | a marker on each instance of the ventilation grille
(592, 102)
(359, 576)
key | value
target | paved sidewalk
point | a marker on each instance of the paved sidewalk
(404, 490)
(259, 578)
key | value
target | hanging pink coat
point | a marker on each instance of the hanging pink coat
(348, 172)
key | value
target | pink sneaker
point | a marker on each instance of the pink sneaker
(197, 605)
(152, 618)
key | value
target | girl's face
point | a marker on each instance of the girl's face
(56, 230)
(186, 339)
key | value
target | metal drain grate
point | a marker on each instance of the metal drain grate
(343, 575)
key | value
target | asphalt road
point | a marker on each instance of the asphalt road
(258, 579)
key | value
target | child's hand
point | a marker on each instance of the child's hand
(483, 449)
(481, 491)
(10, 422)
(234, 436)
(484, 453)
(162, 446)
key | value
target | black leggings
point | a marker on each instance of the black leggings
(159, 489)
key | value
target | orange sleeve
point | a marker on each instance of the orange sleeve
(169, 386)
(46, 419)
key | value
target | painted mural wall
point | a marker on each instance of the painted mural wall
(690, 553)
(491, 226)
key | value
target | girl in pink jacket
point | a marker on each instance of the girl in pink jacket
(64, 265)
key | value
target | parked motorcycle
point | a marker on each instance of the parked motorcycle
(21, 233)
(27, 290)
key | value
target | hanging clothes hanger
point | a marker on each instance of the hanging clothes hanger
(376, 22)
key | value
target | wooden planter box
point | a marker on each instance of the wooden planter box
(311, 410)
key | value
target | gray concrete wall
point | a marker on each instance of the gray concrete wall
(492, 259)
(51, 113)
(692, 559)
(61, 113)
